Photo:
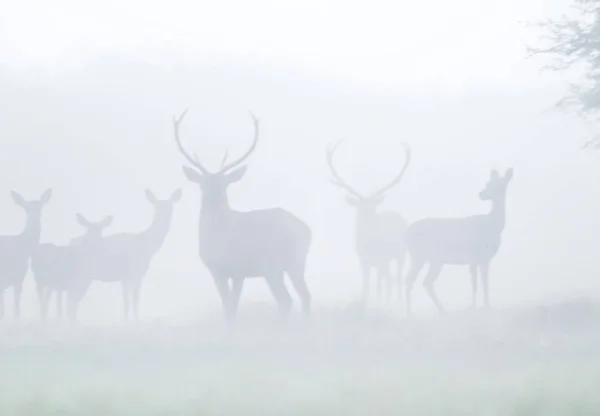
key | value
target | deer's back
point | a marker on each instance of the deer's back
(453, 240)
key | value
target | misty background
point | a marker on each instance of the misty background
(88, 93)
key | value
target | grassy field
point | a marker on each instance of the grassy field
(537, 361)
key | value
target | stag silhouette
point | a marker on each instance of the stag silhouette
(379, 236)
(472, 241)
(15, 250)
(68, 268)
(235, 245)
(126, 257)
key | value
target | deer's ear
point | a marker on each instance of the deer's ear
(508, 175)
(355, 202)
(19, 200)
(106, 221)
(150, 196)
(46, 196)
(82, 220)
(494, 175)
(176, 196)
(236, 175)
(192, 175)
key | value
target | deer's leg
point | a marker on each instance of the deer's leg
(473, 271)
(366, 269)
(484, 269)
(380, 278)
(415, 267)
(280, 292)
(432, 275)
(18, 289)
(126, 290)
(41, 289)
(297, 278)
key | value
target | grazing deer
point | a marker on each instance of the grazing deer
(68, 268)
(127, 256)
(15, 250)
(472, 241)
(379, 235)
(235, 245)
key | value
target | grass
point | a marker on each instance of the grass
(540, 361)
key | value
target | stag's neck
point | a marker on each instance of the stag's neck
(497, 215)
(155, 235)
(215, 212)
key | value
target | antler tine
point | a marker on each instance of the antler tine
(398, 177)
(224, 158)
(337, 179)
(226, 167)
(194, 161)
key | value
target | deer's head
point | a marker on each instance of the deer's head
(32, 208)
(495, 189)
(94, 229)
(213, 185)
(163, 206)
(369, 203)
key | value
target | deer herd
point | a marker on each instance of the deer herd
(264, 243)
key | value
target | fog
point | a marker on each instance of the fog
(89, 93)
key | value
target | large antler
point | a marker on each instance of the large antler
(337, 180)
(224, 166)
(398, 177)
(193, 160)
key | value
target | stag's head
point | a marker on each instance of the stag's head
(213, 185)
(32, 208)
(369, 203)
(495, 189)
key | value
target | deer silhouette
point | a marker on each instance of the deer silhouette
(68, 268)
(472, 241)
(126, 257)
(235, 245)
(15, 250)
(379, 236)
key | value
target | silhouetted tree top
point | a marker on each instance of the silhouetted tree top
(575, 40)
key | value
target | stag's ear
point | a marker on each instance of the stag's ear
(176, 196)
(106, 221)
(192, 175)
(19, 200)
(150, 196)
(377, 200)
(508, 175)
(82, 221)
(236, 175)
(46, 196)
(355, 202)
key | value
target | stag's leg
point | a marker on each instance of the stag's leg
(387, 277)
(432, 275)
(415, 267)
(59, 303)
(399, 269)
(236, 291)
(297, 278)
(366, 269)
(280, 293)
(224, 292)
(473, 271)
(380, 278)
(484, 269)
(136, 288)
(1, 303)
(18, 290)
